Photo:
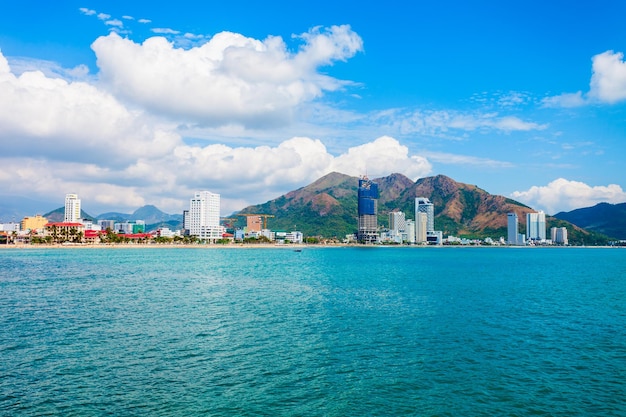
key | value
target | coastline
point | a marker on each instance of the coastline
(269, 246)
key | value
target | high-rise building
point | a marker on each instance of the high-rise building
(512, 228)
(397, 221)
(536, 226)
(368, 211)
(421, 226)
(423, 205)
(559, 236)
(72, 208)
(203, 219)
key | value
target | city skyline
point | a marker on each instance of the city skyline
(136, 104)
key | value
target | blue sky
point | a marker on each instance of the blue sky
(133, 103)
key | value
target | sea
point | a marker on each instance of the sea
(337, 331)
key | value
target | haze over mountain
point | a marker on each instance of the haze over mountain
(328, 207)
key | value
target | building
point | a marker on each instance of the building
(367, 211)
(421, 227)
(512, 225)
(72, 208)
(410, 232)
(536, 227)
(513, 235)
(203, 218)
(423, 205)
(254, 223)
(397, 221)
(33, 223)
(65, 231)
(106, 224)
(559, 236)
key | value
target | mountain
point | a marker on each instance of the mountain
(605, 218)
(328, 208)
(153, 217)
(58, 215)
(150, 214)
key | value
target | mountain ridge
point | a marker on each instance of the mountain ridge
(328, 207)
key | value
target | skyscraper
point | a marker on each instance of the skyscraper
(204, 216)
(536, 226)
(368, 211)
(72, 208)
(423, 205)
(512, 228)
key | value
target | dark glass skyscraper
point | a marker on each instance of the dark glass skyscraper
(368, 211)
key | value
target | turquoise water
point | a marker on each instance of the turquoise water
(324, 332)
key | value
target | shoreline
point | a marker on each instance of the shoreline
(269, 246)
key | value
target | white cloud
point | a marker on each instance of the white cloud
(230, 79)
(608, 82)
(379, 158)
(165, 31)
(454, 159)
(104, 16)
(144, 21)
(50, 69)
(114, 22)
(51, 117)
(128, 17)
(607, 85)
(565, 100)
(442, 121)
(87, 12)
(565, 195)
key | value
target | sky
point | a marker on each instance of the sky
(135, 103)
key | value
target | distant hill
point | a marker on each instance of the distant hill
(153, 217)
(328, 208)
(605, 218)
(150, 214)
(58, 215)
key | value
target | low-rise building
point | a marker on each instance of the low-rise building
(37, 222)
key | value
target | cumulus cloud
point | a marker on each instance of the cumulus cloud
(231, 79)
(608, 82)
(607, 85)
(379, 158)
(242, 175)
(566, 195)
(51, 117)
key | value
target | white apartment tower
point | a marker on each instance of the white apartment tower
(423, 205)
(536, 226)
(72, 208)
(203, 218)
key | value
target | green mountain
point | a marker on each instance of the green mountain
(605, 218)
(328, 208)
